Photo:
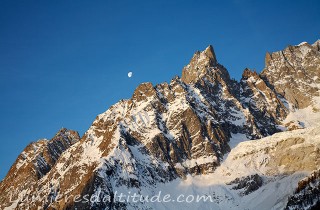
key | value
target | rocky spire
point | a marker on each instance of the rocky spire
(267, 59)
(247, 73)
(316, 45)
(209, 52)
(198, 65)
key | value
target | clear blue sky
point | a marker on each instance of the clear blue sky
(64, 62)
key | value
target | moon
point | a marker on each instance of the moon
(130, 74)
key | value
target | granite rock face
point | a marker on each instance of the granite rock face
(36, 160)
(267, 107)
(294, 73)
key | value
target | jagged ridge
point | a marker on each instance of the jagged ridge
(172, 130)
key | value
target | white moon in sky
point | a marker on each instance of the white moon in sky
(130, 74)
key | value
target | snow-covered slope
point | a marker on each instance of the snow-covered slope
(258, 174)
(171, 136)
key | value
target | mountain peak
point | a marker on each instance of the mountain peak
(198, 65)
(209, 51)
(316, 45)
(143, 91)
(300, 63)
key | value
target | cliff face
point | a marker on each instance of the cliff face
(167, 132)
(263, 102)
(307, 193)
(36, 160)
(295, 73)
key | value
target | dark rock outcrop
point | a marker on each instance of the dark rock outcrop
(247, 184)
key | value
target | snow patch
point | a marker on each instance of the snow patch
(302, 43)
(307, 117)
(236, 138)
